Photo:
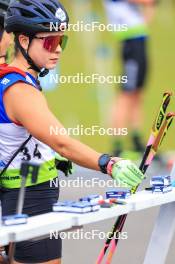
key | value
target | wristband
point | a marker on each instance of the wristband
(103, 162)
(112, 161)
(109, 166)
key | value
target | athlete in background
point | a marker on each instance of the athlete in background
(134, 16)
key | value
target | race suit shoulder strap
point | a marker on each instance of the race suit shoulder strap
(5, 69)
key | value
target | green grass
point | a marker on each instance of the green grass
(78, 103)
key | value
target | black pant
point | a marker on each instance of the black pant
(134, 57)
(38, 200)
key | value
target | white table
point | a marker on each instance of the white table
(4, 236)
(145, 199)
(39, 226)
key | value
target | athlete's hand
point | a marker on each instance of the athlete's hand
(64, 165)
(125, 172)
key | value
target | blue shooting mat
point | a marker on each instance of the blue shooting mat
(49, 82)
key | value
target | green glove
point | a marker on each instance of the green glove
(63, 165)
(127, 174)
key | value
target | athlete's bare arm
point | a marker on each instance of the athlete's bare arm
(28, 106)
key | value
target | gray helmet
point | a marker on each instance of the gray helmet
(32, 16)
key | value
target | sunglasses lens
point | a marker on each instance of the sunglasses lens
(64, 42)
(51, 43)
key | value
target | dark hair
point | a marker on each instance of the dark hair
(16, 47)
(1, 31)
(1, 27)
(16, 40)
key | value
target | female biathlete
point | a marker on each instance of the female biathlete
(24, 112)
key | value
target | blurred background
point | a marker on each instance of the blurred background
(99, 52)
(90, 104)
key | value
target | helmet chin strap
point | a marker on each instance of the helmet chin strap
(33, 66)
(43, 73)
